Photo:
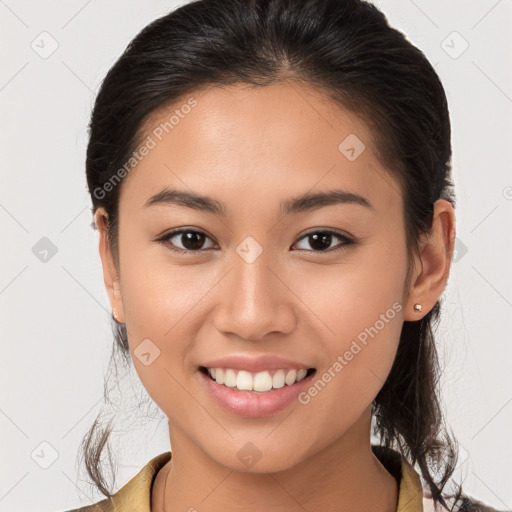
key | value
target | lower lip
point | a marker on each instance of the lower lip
(254, 405)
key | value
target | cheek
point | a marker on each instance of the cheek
(162, 312)
(352, 295)
(359, 306)
(159, 297)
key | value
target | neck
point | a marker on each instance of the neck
(343, 475)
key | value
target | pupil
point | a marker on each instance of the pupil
(320, 241)
(192, 240)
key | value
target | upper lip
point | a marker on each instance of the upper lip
(255, 364)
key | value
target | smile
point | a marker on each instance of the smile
(251, 395)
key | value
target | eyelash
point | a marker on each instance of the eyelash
(345, 240)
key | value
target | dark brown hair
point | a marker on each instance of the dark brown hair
(346, 49)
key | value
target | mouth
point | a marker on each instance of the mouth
(238, 396)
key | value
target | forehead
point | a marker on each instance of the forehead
(238, 139)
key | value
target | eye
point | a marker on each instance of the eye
(191, 240)
(321, 241)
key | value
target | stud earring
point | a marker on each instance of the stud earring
(114, 314)
(417, 307)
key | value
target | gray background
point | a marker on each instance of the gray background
(54, 319)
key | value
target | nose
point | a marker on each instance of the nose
(255, 301)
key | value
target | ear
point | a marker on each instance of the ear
(432, 266)
(110, 275)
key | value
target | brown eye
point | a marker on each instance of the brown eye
(321, 241)
(190, 240)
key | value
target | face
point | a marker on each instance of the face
(319, 282)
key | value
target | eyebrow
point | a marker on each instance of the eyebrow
(304, 203)
(182, 198)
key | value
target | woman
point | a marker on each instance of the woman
(271, 185)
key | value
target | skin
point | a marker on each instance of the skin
(250, 149)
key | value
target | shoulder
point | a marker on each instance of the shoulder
(101, 506)
(134, 495)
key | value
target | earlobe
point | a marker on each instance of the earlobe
(110, 274)
(433, 266)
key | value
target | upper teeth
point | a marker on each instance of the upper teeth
(261, 381)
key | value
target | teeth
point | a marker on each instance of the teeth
(290, 377)
(229, 378)
(260, 382)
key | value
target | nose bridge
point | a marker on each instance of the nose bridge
(253, 301)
